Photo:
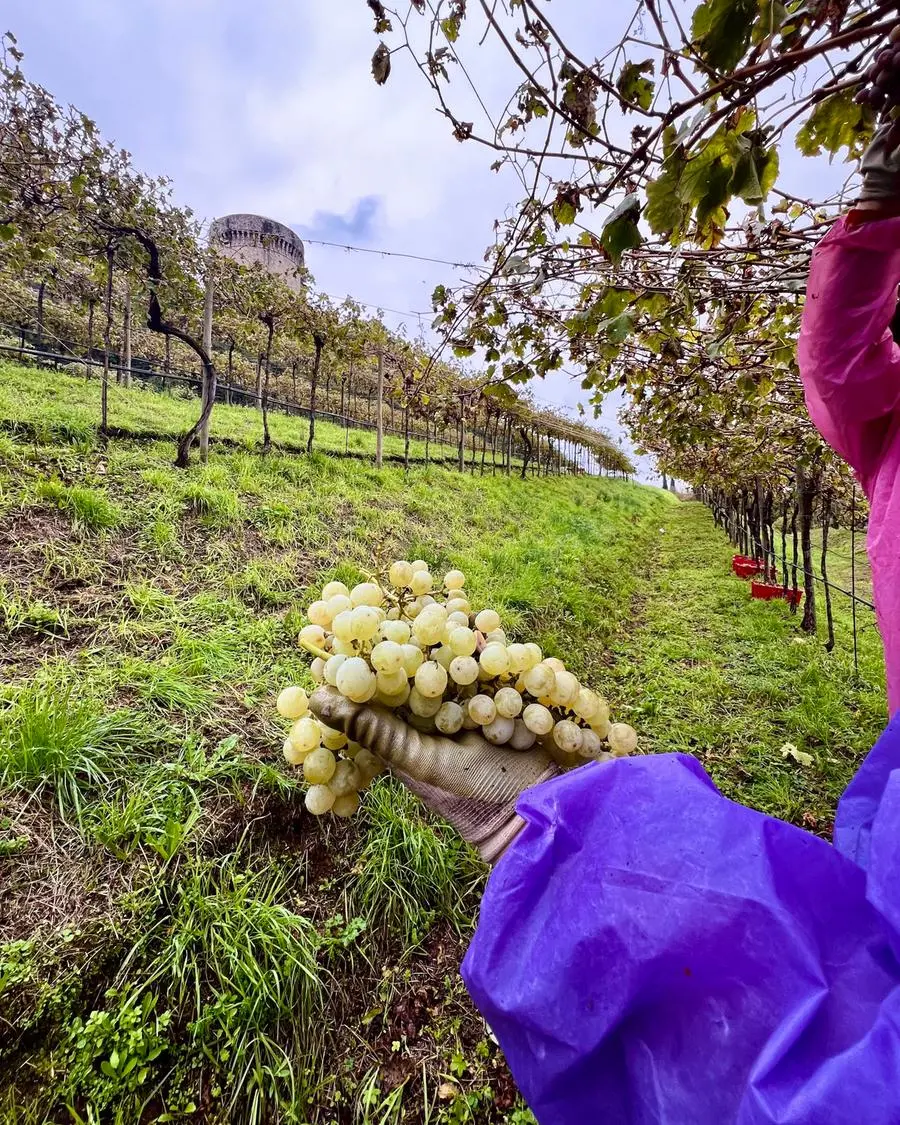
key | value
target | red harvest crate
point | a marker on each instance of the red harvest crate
(745, 567)
(766, 592)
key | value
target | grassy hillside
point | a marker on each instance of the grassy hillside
(69, 406)
(179, 941)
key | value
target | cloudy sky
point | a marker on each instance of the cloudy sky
(270, 108)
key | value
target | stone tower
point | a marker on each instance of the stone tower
(251, 238)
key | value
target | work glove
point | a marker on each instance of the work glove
(471, 783)
(880, 166)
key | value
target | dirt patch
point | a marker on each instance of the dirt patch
(53, 878)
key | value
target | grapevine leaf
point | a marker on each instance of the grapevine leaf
(7, 232)
(621, 234)
(665, 212)
(634, 87)
(450, 28)
(837, 122)
(716, 193)
(722, 30)
(619, 329)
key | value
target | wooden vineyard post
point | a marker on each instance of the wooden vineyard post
(104, 390)
(126, 374)
(379, 421)
(207, 344)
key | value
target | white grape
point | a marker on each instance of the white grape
(464, 670)
(332, 589)
(622, 739)
(421, 582)
(365, 622)
(426, 707)
(535, 656)
(454, 580)
(586, 705)
(413, 658)
(591, 744)
(518, 658)
(332, 739)
(431, 679)
(428, 629)
(496, 636)
(600, 719)
(400, 574)
(292, 754)
(319, 766)
(418, 564)
(332, 667)
(387, 657)
(444, 656)
(319, 614)
(346, 805)
(459, 605)
(340, 603)
(342, 626)
(305, 734)
(356, 680)
(319, 799)
(494, 660)
(342, 648)
(468, 722)
(487, 621)
(458, 619)
(368, 765)
(352, 749)
(292, 703)
(393, 614)
(346, 779)
(313, 634)
(414, 608)
(367, 593)
(538, 719)
(317, 670)
(555, 663)
(427, 600)
(522, 737)
(508, 702)
(567, 736)
(396, 631)
(463, 641)
(449, 718)
(500, 731)
(540, 680)
(565, 691)
(482, 709)
(391, 683)
(392, 700)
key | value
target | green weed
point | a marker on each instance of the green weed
(51, 739)
(90, 509)
(409, 870)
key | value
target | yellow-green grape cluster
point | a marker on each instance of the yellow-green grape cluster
(337, 770)
(417, 647)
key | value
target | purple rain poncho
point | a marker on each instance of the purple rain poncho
(648, 951)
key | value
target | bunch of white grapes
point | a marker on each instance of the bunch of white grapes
(417, 647)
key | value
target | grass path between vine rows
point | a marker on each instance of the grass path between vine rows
(709, 671)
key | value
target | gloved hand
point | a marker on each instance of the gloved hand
(880, 166)
(471, 783)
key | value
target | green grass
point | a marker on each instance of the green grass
(75, 415)
(180, 941)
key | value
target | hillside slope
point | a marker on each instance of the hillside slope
(178, 939)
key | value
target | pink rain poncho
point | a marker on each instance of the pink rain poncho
(650, 953)
(851, 372)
